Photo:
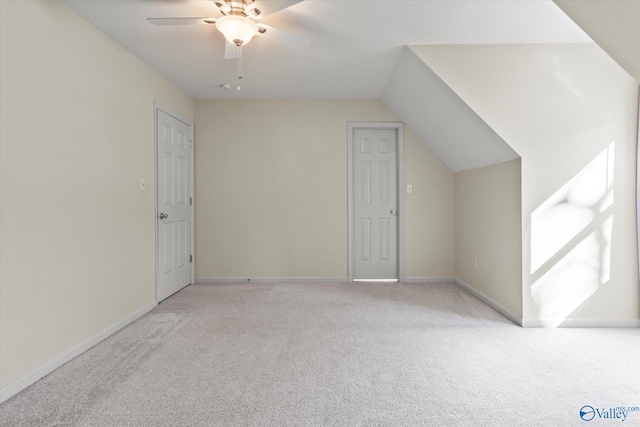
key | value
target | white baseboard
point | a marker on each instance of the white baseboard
(220, 280)
(549, 323)
(429, 280)
(581, 323)
(491, 303)
(216, 280)
(17, 386)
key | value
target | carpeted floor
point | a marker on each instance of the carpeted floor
(336, 354)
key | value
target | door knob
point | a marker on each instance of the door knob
(392, 212)
(163, 216)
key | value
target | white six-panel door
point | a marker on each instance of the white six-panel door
(173, 205)
(375, 204)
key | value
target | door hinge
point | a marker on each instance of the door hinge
(190, 200)
(190, 258)
(190, 143)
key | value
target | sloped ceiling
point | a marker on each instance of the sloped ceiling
(443, 121)
(538, 97)
(357, 51)
(614, 25)
(355, 44)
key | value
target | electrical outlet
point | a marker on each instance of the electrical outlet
(475, 262)
(143, 184)
(409, 188)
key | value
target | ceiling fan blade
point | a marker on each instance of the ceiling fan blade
(230, 50)
(284, 37)
(223, 6)
(182, 21)
(268, 7)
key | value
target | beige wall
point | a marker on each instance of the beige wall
(271, 191)
(571, 113)
(77, 235)
(489, 228)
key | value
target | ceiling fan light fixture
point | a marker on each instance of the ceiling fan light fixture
(237, 29)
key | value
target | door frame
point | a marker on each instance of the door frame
(159, 107)
(399, 128)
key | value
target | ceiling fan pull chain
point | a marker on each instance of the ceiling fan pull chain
(239, 65)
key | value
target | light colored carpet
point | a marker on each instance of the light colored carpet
(335, 354)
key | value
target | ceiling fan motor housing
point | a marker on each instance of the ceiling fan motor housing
(238, 7)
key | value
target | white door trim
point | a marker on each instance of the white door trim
(159, 107)
(399, 127)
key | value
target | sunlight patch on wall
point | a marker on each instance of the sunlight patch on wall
(571, 241)
(572, 208)
(574, 278)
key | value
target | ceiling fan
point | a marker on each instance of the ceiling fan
(239, 23)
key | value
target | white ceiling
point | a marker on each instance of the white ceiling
(441, 119)
(614, 25)
(355, 44)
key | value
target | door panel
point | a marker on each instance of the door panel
(174, 210)
(375, 204)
